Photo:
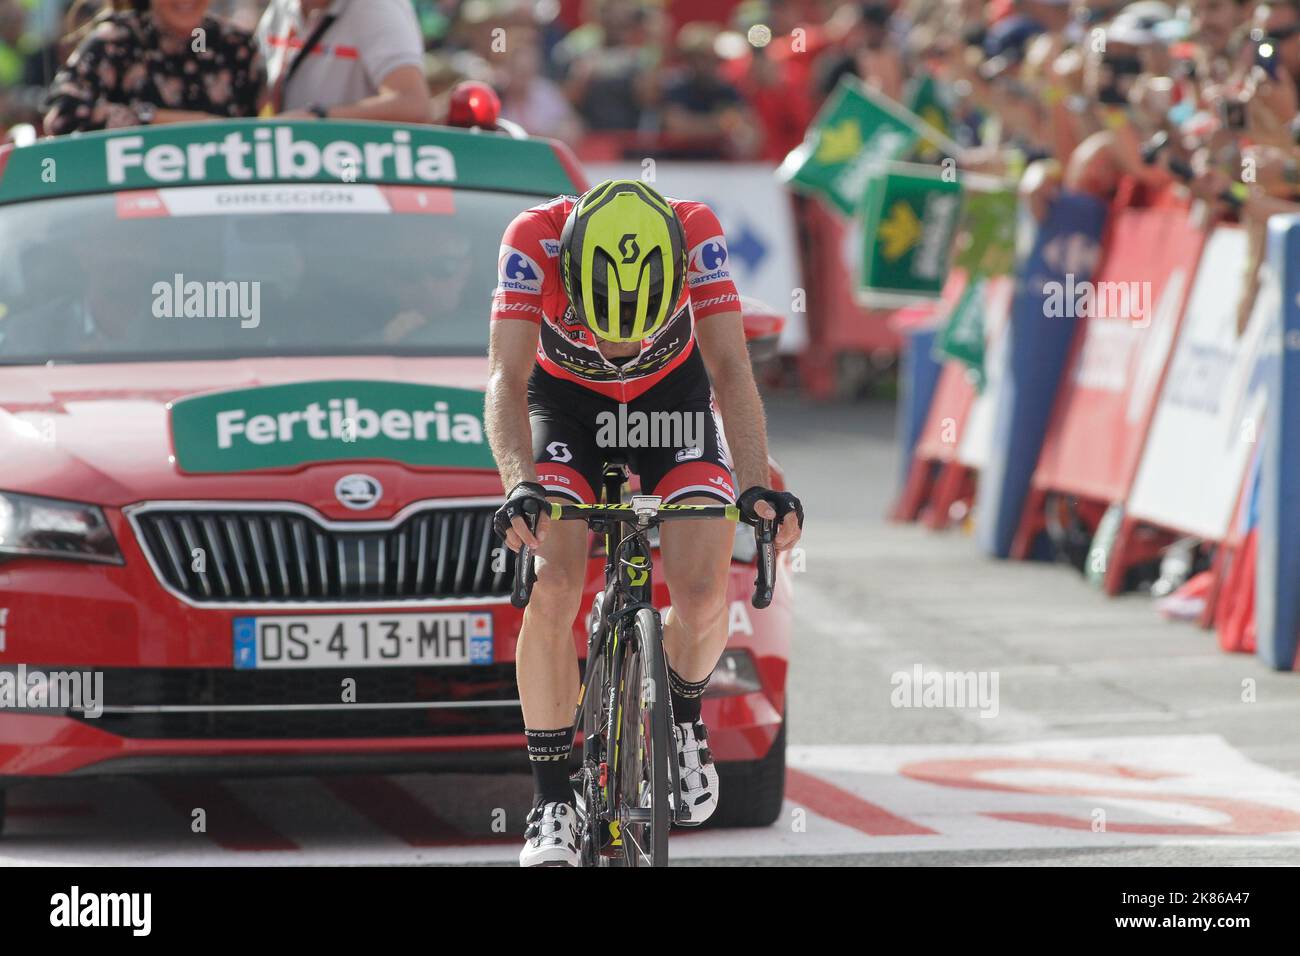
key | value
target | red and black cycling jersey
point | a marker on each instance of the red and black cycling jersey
(570, 453)
(529, 288)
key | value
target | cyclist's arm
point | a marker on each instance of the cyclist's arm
(721, 338)
(403, 97)
(511, 351)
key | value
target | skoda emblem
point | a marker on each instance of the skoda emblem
(358, 492)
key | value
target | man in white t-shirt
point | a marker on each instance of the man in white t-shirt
(367, 64)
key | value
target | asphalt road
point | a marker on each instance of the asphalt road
(1113, 737)
(1094, 694)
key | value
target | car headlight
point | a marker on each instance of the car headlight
(34, 527)
(736, 673)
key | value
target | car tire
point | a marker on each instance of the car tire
(750, 793)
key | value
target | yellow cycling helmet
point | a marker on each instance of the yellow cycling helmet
(623, 260)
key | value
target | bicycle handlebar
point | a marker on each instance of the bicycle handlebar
(764, 538)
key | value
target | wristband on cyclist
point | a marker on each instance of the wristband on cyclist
(782, 501)
(526, 498)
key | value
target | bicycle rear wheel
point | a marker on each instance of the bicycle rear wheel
(645, 745)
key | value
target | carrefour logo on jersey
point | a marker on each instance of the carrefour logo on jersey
(517, 272)
(264, 153)
(708, 262)
(281, 426)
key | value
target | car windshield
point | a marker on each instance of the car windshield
(245, 271)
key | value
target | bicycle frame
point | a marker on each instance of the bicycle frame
(627, 548)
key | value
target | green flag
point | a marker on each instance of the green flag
(984, 246)
(986, 241)
(854, 134)
(909, 217)
(925, 99)
(962, 335)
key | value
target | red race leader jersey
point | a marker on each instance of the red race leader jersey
(529, 289)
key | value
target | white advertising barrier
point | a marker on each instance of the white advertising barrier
(1212, 404)
(977, 436)
(755, 212)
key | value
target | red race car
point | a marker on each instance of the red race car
(245, 493)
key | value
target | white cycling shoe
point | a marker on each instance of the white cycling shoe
(551, 837)
(699, 776)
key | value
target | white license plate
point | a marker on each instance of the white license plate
(363, 640)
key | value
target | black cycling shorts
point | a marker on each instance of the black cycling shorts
(669, 436)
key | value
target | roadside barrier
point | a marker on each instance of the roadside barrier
(1156, 409)
(1106, 399)
(918, 376)
(935, 478)
(1231, 608)
(1277, 567)
(1036, 349)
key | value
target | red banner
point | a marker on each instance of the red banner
(1132, 311)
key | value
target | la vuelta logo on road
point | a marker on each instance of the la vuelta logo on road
(1060, 792)
(1241, 817)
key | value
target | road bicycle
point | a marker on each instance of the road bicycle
(627, 786)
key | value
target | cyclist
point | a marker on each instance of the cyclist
(621, 296)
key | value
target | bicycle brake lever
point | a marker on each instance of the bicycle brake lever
(525, 568)
(765, 582)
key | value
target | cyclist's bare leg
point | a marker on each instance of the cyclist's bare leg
(696, 565)
(546, 659)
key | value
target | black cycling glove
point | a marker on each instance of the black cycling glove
(782, 501)
(526, 498)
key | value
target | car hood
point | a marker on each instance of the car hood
(102, 432)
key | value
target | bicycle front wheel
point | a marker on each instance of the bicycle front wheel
(645, 745)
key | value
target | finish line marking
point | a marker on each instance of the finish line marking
(1056, 793)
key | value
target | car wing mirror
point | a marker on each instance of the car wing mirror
(763, 325)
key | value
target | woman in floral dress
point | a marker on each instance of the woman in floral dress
(159, 61)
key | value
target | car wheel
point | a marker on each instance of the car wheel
(751, 792)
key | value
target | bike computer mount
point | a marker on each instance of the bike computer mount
(645, 507)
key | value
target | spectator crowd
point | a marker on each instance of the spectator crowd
(1148, 98)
